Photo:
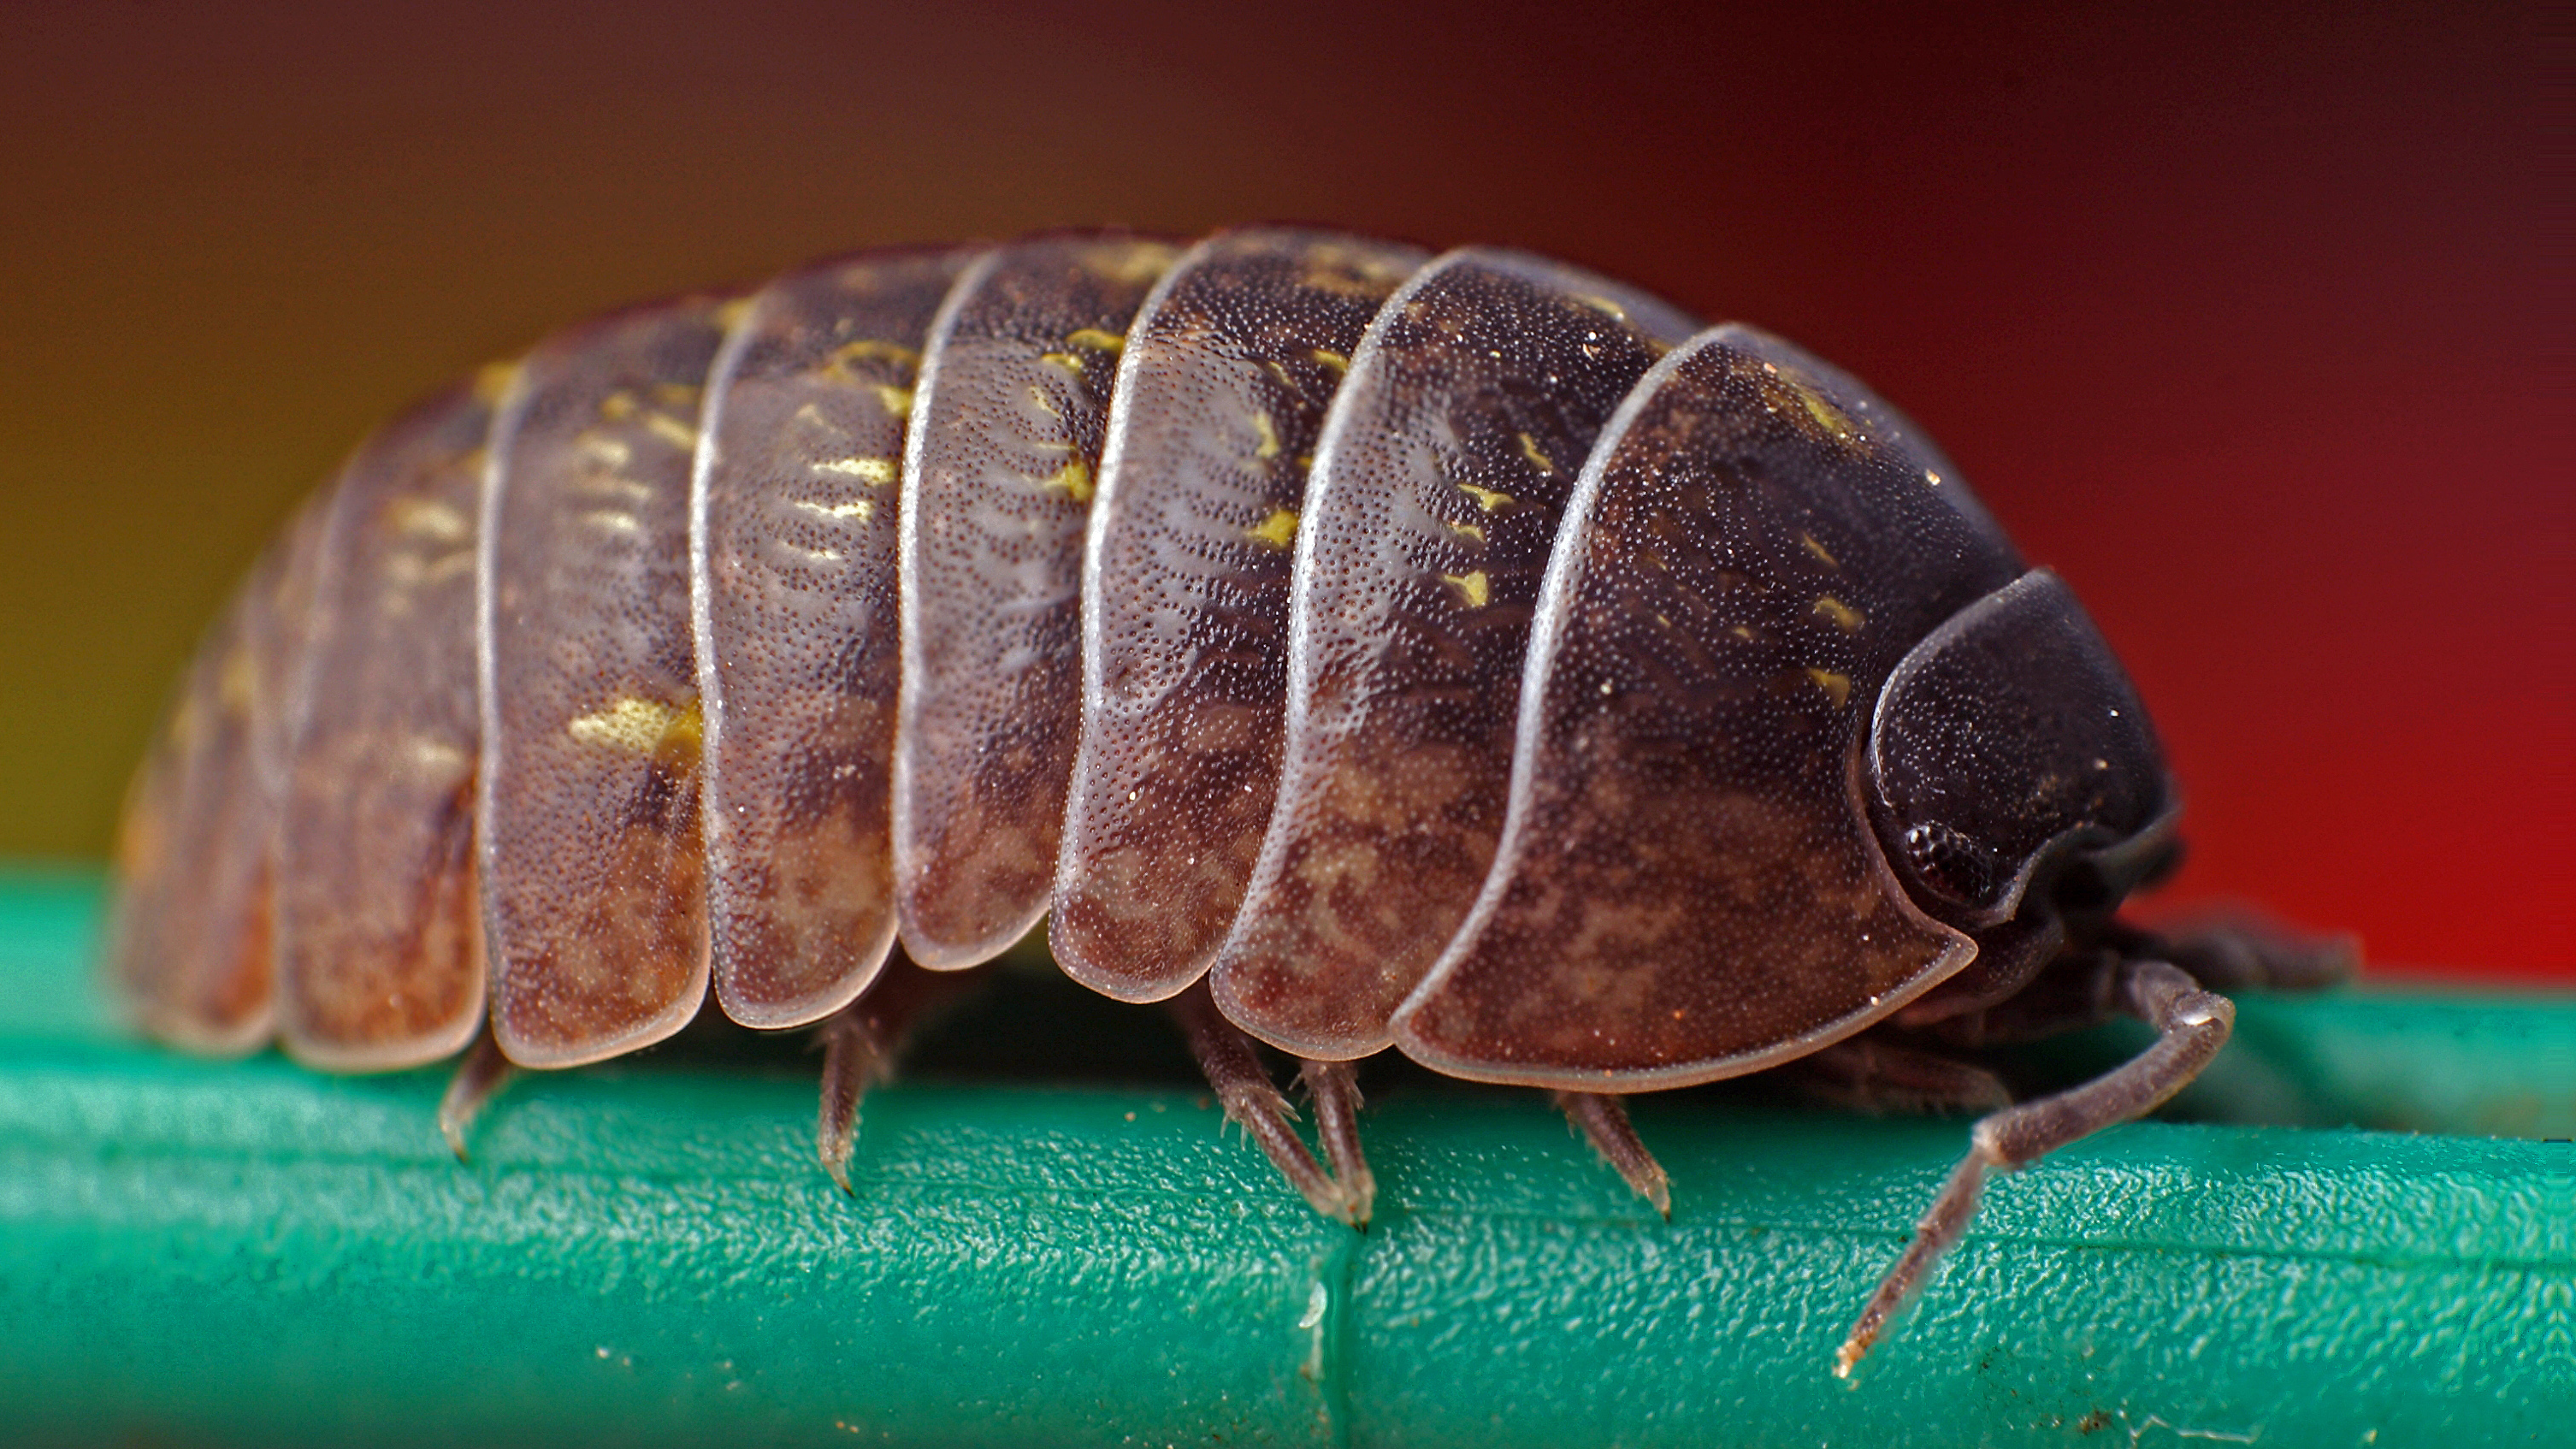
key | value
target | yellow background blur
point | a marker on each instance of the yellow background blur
(2200, 297)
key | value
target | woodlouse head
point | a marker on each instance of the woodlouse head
(2012, 767)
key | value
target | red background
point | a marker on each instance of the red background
(2235, 316)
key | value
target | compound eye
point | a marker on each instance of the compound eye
(1954, 867)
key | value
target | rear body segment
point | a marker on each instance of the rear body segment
(193, 952)
(380, 956)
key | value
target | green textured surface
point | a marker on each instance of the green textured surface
(197, 1253)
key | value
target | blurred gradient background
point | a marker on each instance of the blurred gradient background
(2240, 317)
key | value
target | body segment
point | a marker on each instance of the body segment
(194, 954)
(1433, 503)
(1688, 886)
(379, 926)
(798, 631)
(998, 481)
(591, 860)
(1223, 390)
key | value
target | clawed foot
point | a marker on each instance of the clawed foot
(1233, 1066)
(483, 1072)
(861, 1042)
(1603, 1121)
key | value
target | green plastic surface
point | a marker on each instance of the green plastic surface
(644, 1252)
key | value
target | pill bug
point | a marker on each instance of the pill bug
(1352, 647)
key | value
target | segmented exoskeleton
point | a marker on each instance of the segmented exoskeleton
(1359, 648)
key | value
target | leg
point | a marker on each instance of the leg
(1603, 1120)
(2192, 1026)
(859, 1046)
(853, 1060)
(1865, 1074)
(482, 1073)
(1336, 1091)
(1234, 1068)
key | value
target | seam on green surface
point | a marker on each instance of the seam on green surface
(1335, 1355)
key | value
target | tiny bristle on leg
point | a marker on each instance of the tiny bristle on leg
(1335, 1088)
(1604, 1121)
(2191, 1025)
(1243, 1085)
(483, 1072)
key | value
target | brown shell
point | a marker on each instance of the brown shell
(1396, 642)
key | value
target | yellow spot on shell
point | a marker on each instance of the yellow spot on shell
(1845, 617)
(1818, 550)
(897, 401)
(872, 349)
(1827, 416)
(437, 758)
(1931, 477)
(729, 316)
(1468, 530)
(612, 485)
(1279, 530)
(641, 727)
(439, 570)
(671, 430)
(1132, 264)
(1486, 498)
(493, 379)
(237, 683)
(1604, 305)
(1065, 361)
(1741, 631)
(1329, 358)
(618, 406)
(604, 450)
(613, 521)
(1537, 459)
(1269, 448)
(1837, 685)
(877, 472)
(862, 509)
(1098, 340)
(428, 518)
(1073, 480)
(1474, 587)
